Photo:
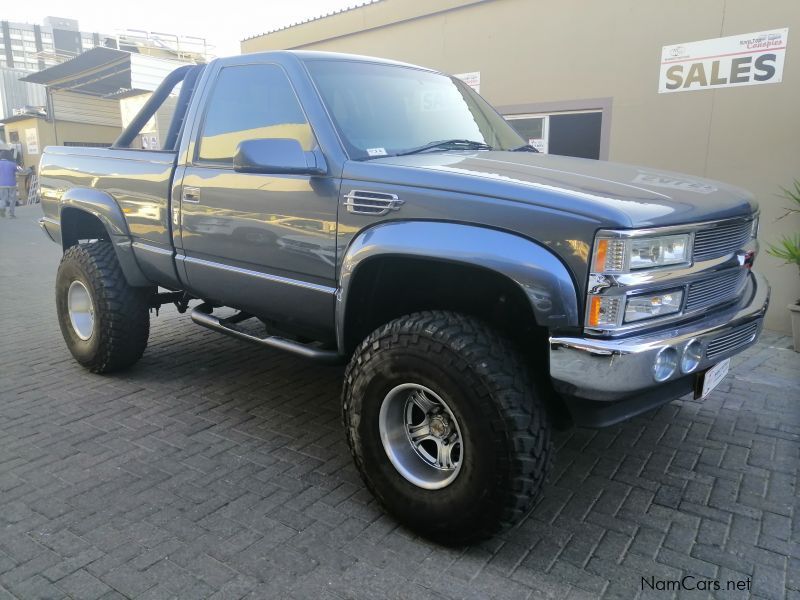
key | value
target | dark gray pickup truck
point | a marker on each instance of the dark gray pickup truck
(351, 209)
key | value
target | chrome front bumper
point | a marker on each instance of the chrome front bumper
(612, 369)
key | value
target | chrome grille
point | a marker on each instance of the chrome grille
(715, 290)
(722, 239)
(732, 340)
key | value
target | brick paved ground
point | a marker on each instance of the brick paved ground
(216, 469)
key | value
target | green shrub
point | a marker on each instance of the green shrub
(788, 248)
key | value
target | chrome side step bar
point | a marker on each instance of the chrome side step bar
(201, 317)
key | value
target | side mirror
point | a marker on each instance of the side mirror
(281, 156)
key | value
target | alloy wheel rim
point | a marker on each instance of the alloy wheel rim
(81, 310)
(421, 436)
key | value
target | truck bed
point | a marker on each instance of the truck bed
(139, 182)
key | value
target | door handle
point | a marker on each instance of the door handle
(191, 194)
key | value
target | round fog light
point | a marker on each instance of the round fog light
(692, 355)
(665, 364)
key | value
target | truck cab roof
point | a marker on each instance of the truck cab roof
(308, 55)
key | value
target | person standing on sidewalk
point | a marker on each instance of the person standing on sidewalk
(8, 186)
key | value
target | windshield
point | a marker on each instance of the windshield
(382, 110)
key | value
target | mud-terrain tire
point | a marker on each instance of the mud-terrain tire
(479, 395)
(107, 329)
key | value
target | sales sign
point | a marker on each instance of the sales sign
(737, 60)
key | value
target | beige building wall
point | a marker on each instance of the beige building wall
(44, 133)
(83, 108)
(57, 134)
(70, 132)
(537, 51)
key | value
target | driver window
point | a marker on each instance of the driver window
(251, 102)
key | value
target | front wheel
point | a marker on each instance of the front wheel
(445, 427)
(104, 321)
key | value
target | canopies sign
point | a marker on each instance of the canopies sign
(747, 59)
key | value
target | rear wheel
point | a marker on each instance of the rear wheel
(445, 427)
(104, 321)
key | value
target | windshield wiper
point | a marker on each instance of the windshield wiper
(525, 148)
(448, 145)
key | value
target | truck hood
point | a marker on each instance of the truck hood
(615, 194)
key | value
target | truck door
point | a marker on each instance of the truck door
(265, 244)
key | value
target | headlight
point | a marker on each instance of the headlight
(621, 263)
(620, 255)
(648, 306)
(656, 252)
(612, 311)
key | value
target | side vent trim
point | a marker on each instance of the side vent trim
(375, 204)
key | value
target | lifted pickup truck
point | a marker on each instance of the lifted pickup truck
(384, 215)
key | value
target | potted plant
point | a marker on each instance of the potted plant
(788, 250)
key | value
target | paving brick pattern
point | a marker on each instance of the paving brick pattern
(216, 469)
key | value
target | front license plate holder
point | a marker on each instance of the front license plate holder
(708, 380)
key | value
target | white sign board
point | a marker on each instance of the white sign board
(32, 140)
(539, 143)
(473, 79)
(149, 141)
(737, 60)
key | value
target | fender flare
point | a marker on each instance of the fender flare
(104, 208)
(537, 271)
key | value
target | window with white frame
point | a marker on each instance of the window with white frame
(568, 133)
(533, 128)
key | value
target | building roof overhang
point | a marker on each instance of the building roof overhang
(22, 117)
(106, 73)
